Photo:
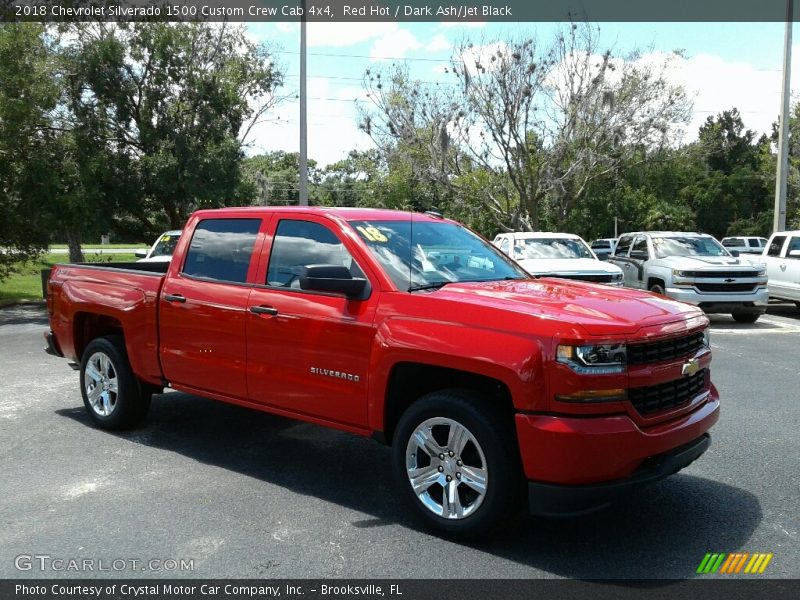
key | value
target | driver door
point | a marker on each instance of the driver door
(308, 352)
(639, 255)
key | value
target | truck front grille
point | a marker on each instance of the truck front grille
(594, 278)
(672, 348)
(726, 287)
(720, 274)
(665, 396)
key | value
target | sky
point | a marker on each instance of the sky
(725, 65)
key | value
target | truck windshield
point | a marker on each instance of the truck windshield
(165, 245)
(526, 248)
(688, 246)
(425, 254)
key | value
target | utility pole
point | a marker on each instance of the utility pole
(303, 113)
(779, 221)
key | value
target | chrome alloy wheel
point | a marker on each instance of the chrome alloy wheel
(446, 468)
(100, 382)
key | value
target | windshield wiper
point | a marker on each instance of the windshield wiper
(439, 284)
(429, 286)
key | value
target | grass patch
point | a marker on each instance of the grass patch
(135, 245)
(27, 283)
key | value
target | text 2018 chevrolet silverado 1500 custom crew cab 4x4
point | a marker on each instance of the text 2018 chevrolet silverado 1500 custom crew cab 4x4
(693, 268)
(411, 329)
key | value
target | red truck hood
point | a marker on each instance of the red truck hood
(599, 309)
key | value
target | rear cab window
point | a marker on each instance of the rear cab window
(222, 249)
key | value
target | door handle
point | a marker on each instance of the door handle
(174, 298)
(263, 310)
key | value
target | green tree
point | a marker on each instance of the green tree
(28, 94)
(178, 100)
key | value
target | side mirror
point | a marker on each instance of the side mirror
(140, 253)
(639, 255)
(794, 254)
(734, 253)
(334, 278)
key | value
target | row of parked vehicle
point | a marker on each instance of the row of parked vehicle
(736, 276)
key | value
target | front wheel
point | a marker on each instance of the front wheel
(745, 317)
(657, 288)
(111, 393)
(457, 463)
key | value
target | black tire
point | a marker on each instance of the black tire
(124, 408)
(657, 288)
(494, 432)
(745, 317)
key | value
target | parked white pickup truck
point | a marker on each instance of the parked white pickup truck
(693, 268)
(782, 257)
(563, 255)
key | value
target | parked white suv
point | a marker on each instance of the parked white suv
(693, 268)
(744, 244)
(604, 247)
(782, 257)
(563, 255)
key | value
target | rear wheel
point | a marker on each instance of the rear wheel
(457, 462)
(745, 317)
(111, 393)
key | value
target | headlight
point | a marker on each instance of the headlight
(762, 272)
(595, 359)
(707, 337)
(679, 273)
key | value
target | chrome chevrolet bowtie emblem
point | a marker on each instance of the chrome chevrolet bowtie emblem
(691, 367)
(729, 280)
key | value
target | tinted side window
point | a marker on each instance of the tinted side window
(640, 245)
(221, 249)
(600, 245)
(754, 243)
(794, 244)
(623, 245)
(733, 242)
(776, 245)
(299, 244)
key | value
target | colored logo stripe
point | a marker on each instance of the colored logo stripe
(734, 563)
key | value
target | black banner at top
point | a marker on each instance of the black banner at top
(334, 11)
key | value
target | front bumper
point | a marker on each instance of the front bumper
(583, 452)
(547, 499)
(755, 301)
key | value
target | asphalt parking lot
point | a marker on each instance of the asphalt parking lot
(245, 494)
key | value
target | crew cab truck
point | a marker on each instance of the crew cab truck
(413, 330)
(693, 268)
(782, 258)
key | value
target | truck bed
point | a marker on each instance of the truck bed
(91, 299)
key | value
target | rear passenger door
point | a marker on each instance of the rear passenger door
(203, 308)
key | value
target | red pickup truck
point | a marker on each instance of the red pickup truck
(411, 329)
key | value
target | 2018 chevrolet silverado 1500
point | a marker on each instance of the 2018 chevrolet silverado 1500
(411, 329)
